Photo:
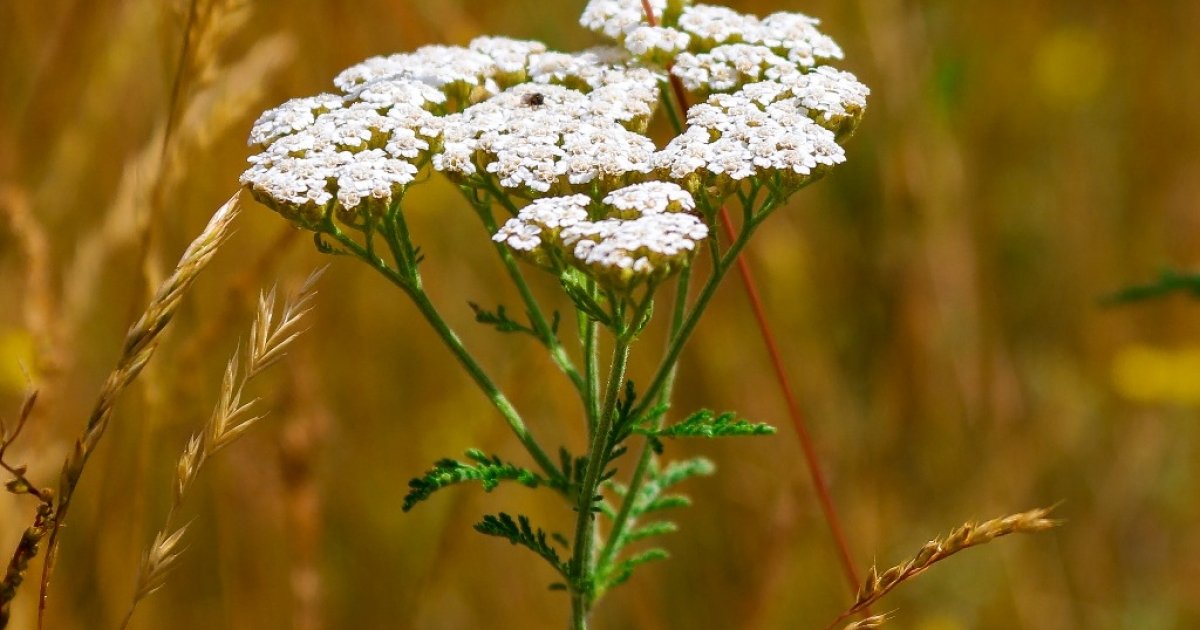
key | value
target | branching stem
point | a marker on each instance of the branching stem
(407, 278)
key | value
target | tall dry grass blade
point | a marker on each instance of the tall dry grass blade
(270, 335)
(140, 343)
(969, 534)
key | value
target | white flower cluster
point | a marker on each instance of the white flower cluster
(615, 18)
(570, 119)
(544, 123)
(759, 130)
(644, 235)
(362, 155)
(730, 66)
(699, 37)
(656, 44)
(536, 138)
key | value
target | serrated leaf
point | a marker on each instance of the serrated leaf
(682, 469)
(667, 502)
(706, 424)
(1169, 281)
(624, 570)
(500, 320)
(649, 530)
(488, 471)
(520, 532)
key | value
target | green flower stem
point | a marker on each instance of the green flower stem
(536, 315)
(410, 283)
(678, 312)
(582, 562)
(591, 370)
(660, 386)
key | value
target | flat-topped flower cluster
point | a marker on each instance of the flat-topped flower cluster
(548, 127)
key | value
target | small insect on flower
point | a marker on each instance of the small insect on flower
(534, 99)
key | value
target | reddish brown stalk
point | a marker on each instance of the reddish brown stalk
(781, 377)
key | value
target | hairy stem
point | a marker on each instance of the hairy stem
(678, 312)
(582, 562)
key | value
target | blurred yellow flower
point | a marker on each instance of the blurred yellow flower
(16, 359)
(1158, 375)
(1071, 67)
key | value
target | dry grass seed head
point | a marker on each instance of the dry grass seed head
(968, 535)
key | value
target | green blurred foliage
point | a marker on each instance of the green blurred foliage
(937, 297)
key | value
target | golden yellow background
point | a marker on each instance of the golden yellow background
(937, 298)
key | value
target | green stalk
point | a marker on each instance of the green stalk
(536, 315)
(410, 284)
(582, 562)
(678, 311)
(663, 380)
(591, 370)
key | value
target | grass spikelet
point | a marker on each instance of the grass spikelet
(140, 343)
(272, 332)
(159, 561)
(967, 535)
(869, 623)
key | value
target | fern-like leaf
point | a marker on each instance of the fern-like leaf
(624, 570)
(488, 471)
(651, 497)
(520, 532)
(500, 320)
(1168, 282)
(706, 424)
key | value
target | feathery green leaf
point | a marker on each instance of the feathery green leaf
(488, 471)
(706, 424)
(520, 532)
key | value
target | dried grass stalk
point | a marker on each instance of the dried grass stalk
(140, 343)
(27, 548)
(968, 535)
(272, 332)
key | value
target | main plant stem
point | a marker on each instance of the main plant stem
(582, 562)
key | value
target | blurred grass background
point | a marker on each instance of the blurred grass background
(937, 298)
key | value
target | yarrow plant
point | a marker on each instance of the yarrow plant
(552, 153)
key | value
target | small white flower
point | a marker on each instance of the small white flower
(542, 219)
(829, 92)
(650, 198)
(395, 91)
(656, 43)
(535, 137)
(714, 25)
(798, 36)
(730, 66)
(736, 136)
(614, 18)
(292, 116)
(509, 56)
(436, 66)
(645, 235)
